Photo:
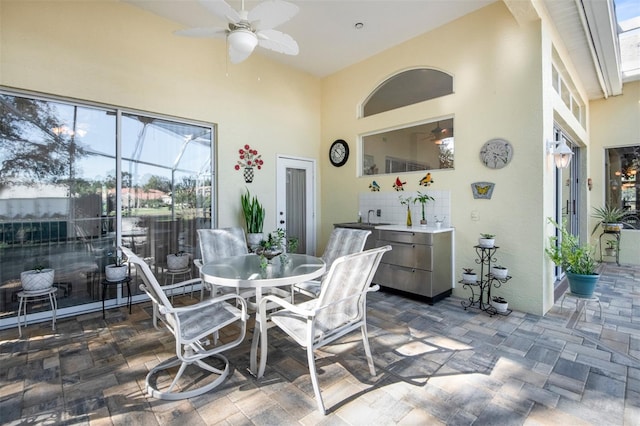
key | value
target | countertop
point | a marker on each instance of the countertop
(428, 229)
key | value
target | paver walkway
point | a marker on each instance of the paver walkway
(436, 365)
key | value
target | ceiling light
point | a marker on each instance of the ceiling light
(358, 25)
(242, 40)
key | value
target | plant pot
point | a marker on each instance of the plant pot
(486, 242)
(115, 273)
(470, 278)
(500, 273)
(253, 240)
(500, 307)
(177, 263)
(612, 227)
(582, 285)
(33, 280)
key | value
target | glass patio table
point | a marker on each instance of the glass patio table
(249, 276)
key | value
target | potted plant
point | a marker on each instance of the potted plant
(499, 304)
(468, 276)
(499, 272)
(612, 219)
(254, 214)
(422, 199)
(37, 279)
(273, 246)
(117, 271)
(178, 261)
(407, 202)
(487, 240)
(576, 259)
(612, 248)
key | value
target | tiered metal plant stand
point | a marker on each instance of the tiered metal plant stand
(481, 289)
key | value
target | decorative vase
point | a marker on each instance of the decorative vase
(33, 280)
(115, 273)
(470, 278)
(499, 272)
(253, 240)
(177, 262)
(500, 305)
(582, 285)
(612, 227)
(486, 242)
(408, 216)
(248, 174)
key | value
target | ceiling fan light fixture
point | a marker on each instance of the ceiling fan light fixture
(242, 40)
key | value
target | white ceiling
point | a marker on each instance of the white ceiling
(324, 29)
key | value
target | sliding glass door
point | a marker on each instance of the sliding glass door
(78, 180)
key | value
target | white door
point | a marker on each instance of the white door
(296, 200)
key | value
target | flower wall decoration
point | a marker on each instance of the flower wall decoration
(249, 159)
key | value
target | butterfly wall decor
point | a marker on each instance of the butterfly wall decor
(482, 190)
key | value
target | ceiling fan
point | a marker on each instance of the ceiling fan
(248, 29)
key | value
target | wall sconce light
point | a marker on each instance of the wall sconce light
(589, 184)
(561, 152)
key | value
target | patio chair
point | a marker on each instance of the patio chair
(217, 243)
(342, 241)
(339, 309)
(191, 326)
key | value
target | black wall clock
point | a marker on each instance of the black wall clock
(339, 153)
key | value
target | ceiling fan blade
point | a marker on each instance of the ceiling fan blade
(237, 56)
(271, 13)
(202, 32)
(222, 10)
(278, 42)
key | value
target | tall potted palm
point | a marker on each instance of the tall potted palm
(576, 259)
(612, 219)
(254, 214)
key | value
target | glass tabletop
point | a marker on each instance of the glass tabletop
(246, 271)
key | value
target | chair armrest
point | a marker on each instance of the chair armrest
(198, 263)
(181, 284)
(283, 303)
(374, 287)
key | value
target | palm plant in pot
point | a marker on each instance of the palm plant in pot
(612, 219)
(576, 259)
(254, 214)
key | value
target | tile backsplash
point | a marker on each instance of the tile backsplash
(394, 212)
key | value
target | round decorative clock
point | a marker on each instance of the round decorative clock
(496, 153)
(339, 153)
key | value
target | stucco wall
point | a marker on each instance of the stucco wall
(497, 72)
(114, 53)
(615, 122)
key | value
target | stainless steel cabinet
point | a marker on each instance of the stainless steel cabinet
(420, 263)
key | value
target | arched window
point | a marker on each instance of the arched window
(407, 88)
